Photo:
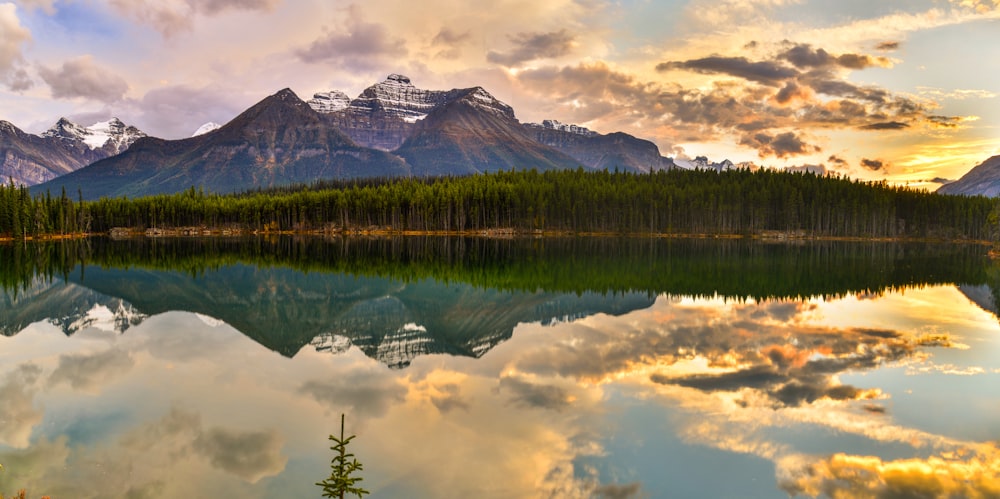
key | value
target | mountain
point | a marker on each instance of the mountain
(597, 151)
(65, 147)
(389, 113)
(473, 132)
(983, 180)
(278, 141)
(391, 129)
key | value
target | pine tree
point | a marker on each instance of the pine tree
(343, 465)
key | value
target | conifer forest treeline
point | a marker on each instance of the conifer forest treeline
(731, 202)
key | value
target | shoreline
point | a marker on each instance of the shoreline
(497, 233)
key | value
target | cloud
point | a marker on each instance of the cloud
(887, 46)
(617, 491)
(359, 45)
(46, 6)
(844, 475)
(977, 6)
(803, 56)
(533, 46)
(177, 111)
(450, 42)
(366, 391)
(528, 394)
(91, 372)
(888, 125)
(12, 37)
(782, 145)
(17, 412)
(83, 78)
(250, 455)
(837, 160)
(170, 17)
(766, 72)
(873, 164)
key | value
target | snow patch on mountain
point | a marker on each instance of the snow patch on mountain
(113, 135)
(211, 126)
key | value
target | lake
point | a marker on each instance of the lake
(476, 367)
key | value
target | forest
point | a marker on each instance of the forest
(675, 202)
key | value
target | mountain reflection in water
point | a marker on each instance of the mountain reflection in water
(574, 367)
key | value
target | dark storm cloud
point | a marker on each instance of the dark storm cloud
(782, 145)
(528, 394)
(532, 46)
(872, 164)
(359, 45)
(81, 77)
(766, 72)
(888, 125)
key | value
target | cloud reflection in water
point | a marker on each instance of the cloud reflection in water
(208, 411)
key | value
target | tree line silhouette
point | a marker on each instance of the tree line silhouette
(731, 202)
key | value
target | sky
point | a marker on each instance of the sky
(906, 91)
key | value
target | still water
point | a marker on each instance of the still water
(499, 368)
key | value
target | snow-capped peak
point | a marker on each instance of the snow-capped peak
(111, 135)
(211, 126)
(564, 127)
(329, 102)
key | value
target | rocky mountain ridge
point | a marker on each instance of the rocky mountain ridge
(31, 159)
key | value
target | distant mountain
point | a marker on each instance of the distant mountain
(982, 180)
(391, 129)
(206, 128)
(65, 147)
(614, 150)
(278, 141)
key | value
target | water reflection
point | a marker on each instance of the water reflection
(885, 391)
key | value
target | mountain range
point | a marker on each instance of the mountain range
(65, 147)
(392, 129)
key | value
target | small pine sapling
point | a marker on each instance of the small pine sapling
(343, 465)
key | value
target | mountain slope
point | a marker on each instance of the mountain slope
(983, 180)
(472, 133)
(278, 141)
(597, 151)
